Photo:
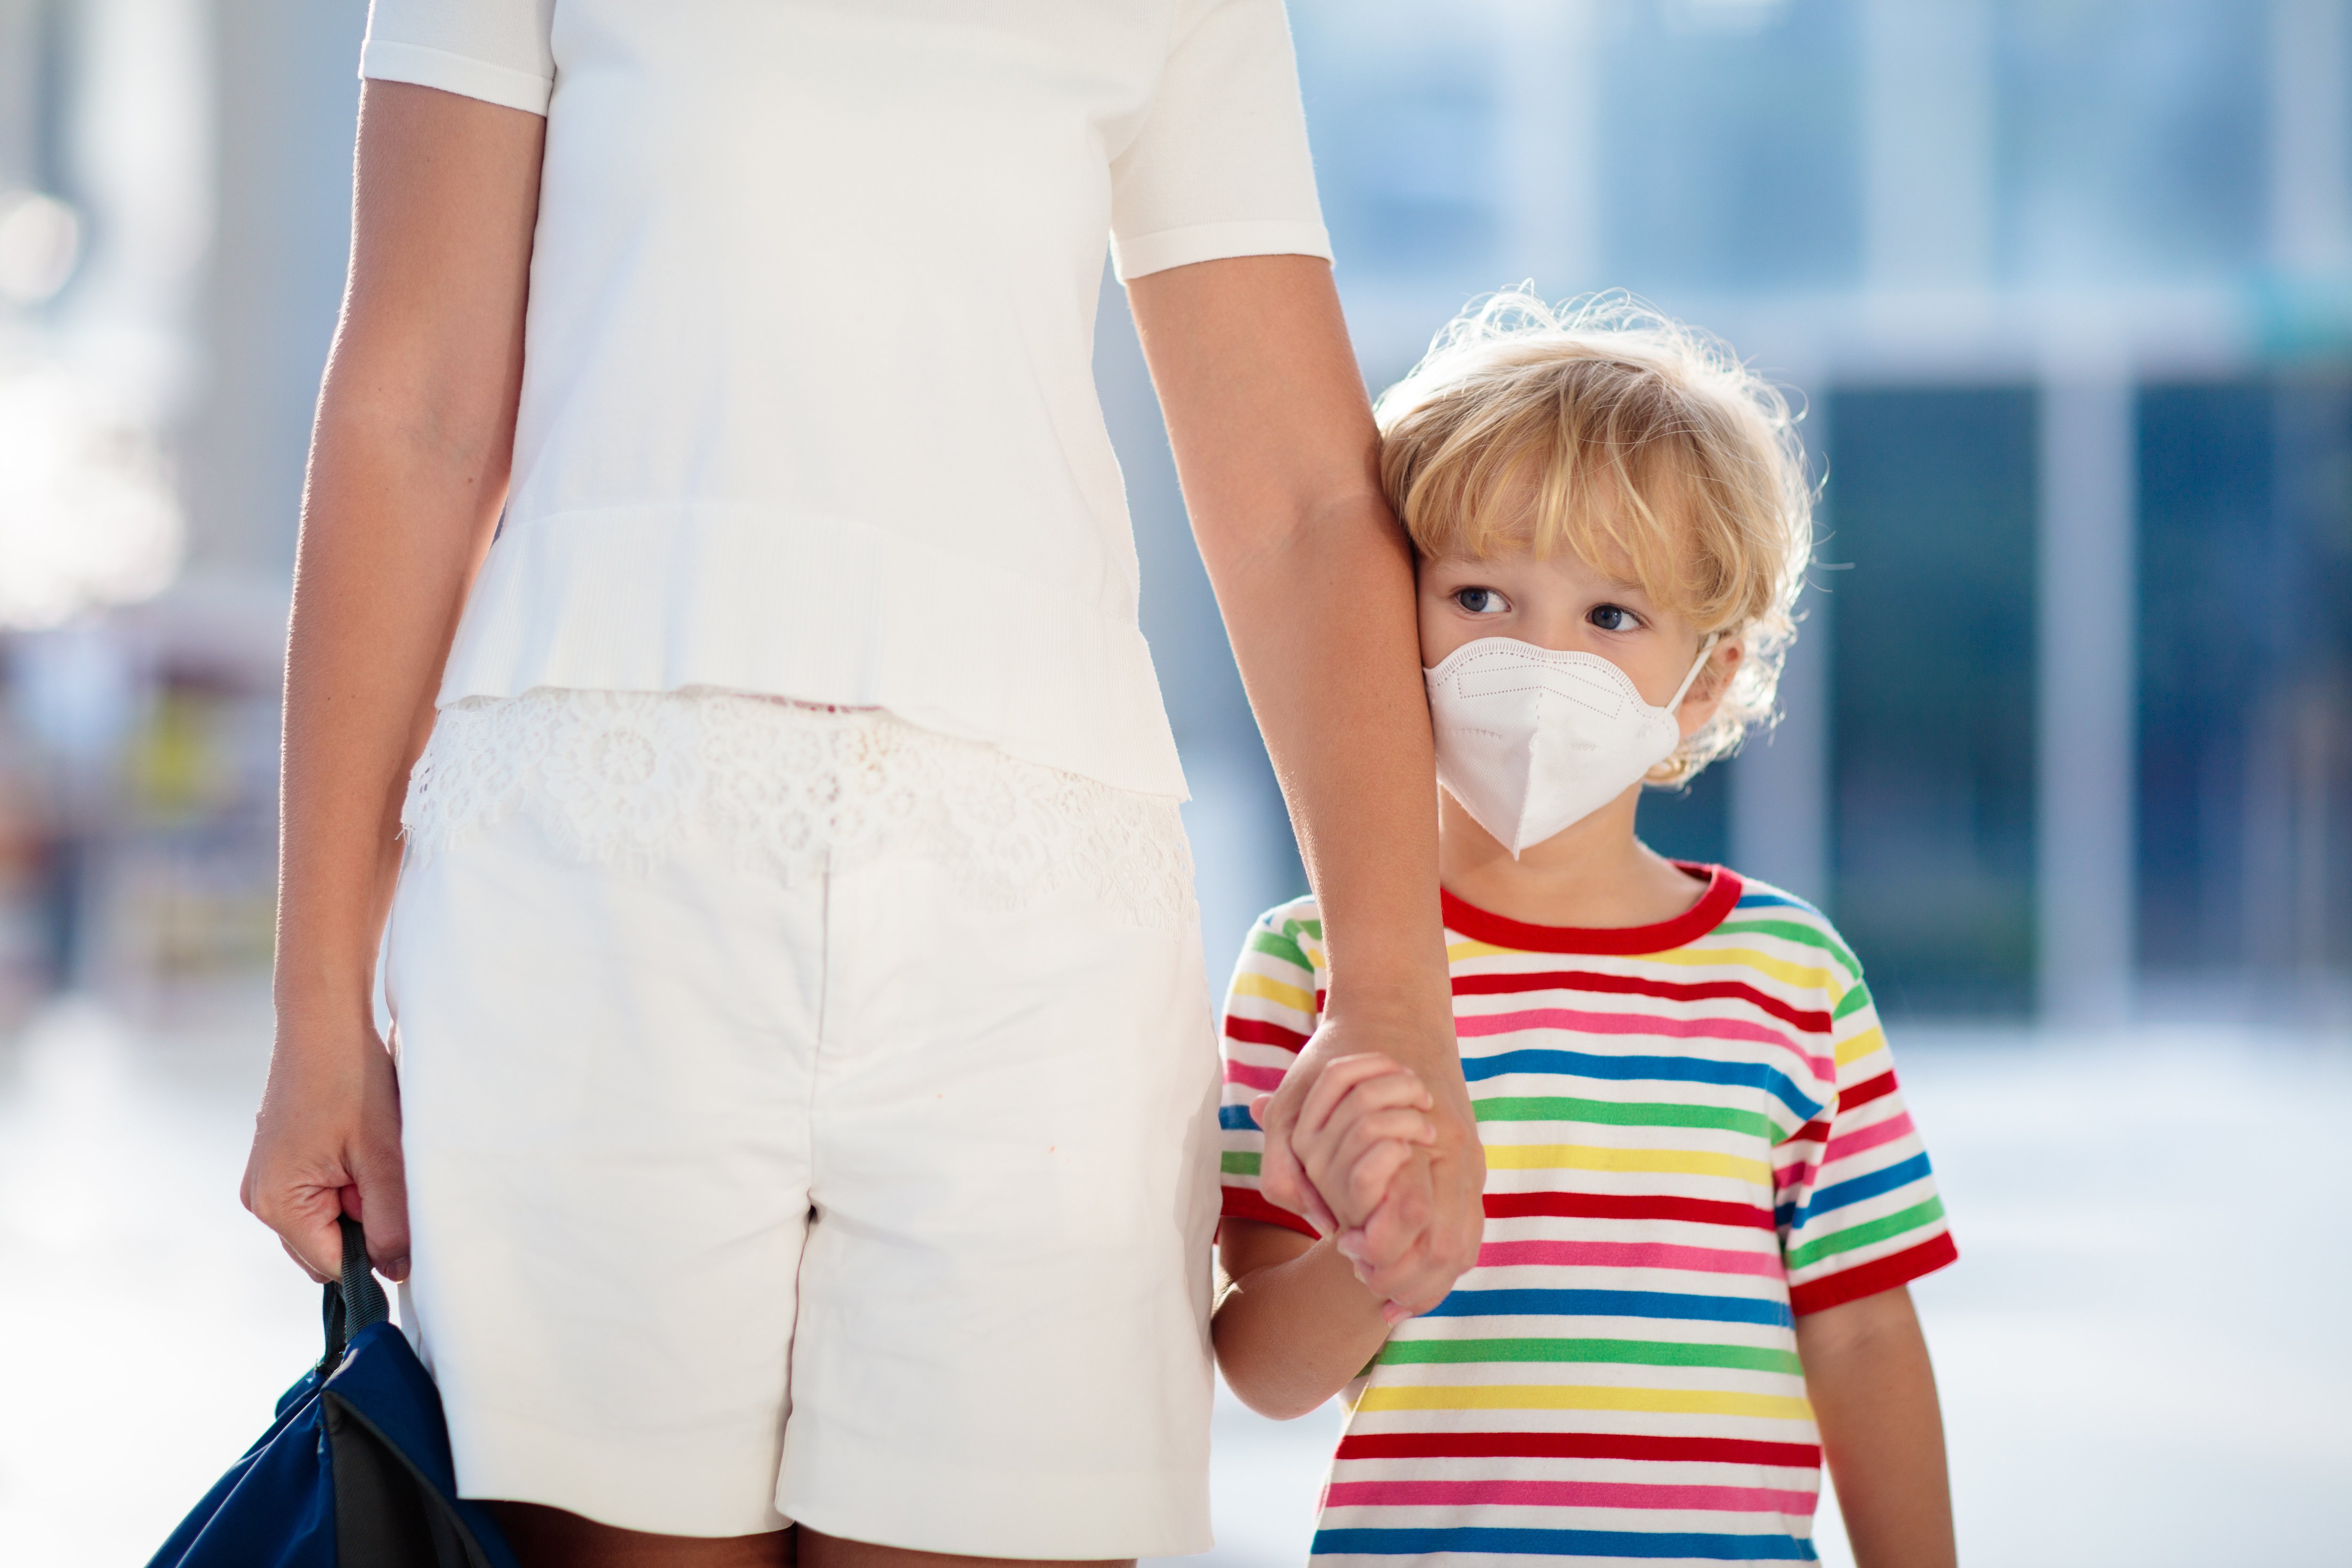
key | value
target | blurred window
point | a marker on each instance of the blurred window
(1933, 674)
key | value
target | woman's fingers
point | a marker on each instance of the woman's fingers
(1339, 1080)
(301, 1208)
(1371, 1167)
(1281, 1177)
(327, 1144)
(1371, 1100)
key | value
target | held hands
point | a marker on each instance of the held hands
(327, 1144)
(1361, 1145)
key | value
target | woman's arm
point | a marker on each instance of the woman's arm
(1276, 451)
(408, 469)
(1296, 1324)
(1874, 1395)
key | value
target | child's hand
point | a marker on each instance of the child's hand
(1364, 1120)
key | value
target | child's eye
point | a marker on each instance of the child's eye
(1481, 601)
(1614, 618)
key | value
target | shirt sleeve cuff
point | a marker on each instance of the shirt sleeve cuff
(384, 60)
(1138, 255)
(1880, 1274)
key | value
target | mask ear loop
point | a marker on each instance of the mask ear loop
(1697, 664)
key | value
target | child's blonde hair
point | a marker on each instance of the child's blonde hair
(1623, 422)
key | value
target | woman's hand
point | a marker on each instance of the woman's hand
(1409, 1219)
(327, 1144)
(1358, 1127)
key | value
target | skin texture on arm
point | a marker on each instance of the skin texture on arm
(1873, 1394)
(1275, 447)
(408, 469)
(1294, 1324)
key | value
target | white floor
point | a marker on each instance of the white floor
(2143, 1350)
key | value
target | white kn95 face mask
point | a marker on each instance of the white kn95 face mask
(1530, 741)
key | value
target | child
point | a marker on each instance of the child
(1703, 1196)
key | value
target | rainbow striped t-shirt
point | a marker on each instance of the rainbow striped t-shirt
(1692, 1135)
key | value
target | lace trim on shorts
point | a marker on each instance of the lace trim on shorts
(624, 777)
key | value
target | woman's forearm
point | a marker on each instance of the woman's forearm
(1277, 454)
(408, 466)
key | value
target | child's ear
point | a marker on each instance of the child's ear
(1707, 693)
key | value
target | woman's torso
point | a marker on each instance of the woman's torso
(808, 404)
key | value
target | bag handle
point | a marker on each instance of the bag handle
(354, 1302)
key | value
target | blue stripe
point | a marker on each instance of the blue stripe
(1765, 901)
(1236, 1117)
(1613, 1304)
(1677, 1069)
(1861, 1188)
(1567, 1544)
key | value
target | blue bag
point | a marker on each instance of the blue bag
(355, 1472)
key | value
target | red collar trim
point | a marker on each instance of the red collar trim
(1723, 889)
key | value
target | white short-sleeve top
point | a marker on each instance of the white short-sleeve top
(808, 405)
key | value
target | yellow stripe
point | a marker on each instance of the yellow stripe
(1584, 1157)
(1462, 950)
(1550, 1397)
(1290, 996)
(1871, 1039)
(1762, 963)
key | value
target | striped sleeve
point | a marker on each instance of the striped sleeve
(1270, 1010)
(1859, 1214)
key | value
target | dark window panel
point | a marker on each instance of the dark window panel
(1931, 498)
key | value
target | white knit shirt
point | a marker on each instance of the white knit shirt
(808, 406)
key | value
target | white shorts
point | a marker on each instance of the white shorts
(864, 1179)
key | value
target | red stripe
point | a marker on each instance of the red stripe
(1258, 1032)
(1865, 1091)
(1575, 1445)
(1810, 1022)
(1248, 1203)
(1870, 1278)
(1618, 1206)
(1814, 1131)
(1722, 892)
(1498, 1491)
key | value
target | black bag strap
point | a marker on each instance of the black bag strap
(354, 1302)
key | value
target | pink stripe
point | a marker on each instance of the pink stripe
(1621, 1024)
(1626, 1255)
(1867, 1138)
(1566, 1494)
(1254, 1077)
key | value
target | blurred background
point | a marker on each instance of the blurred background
(2065, 289)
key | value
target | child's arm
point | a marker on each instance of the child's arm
(1295, 1323)
(1874, 1397)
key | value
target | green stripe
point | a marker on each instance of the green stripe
(1897, 1224)
(1311, 929)
(1238, 1162)
(1803, 935)
(1629, 1353)
(1852, 1002)
(1617, 1114)
(1281, 947)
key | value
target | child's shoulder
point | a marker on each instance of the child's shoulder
(1777, 916)
(1291, 932)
